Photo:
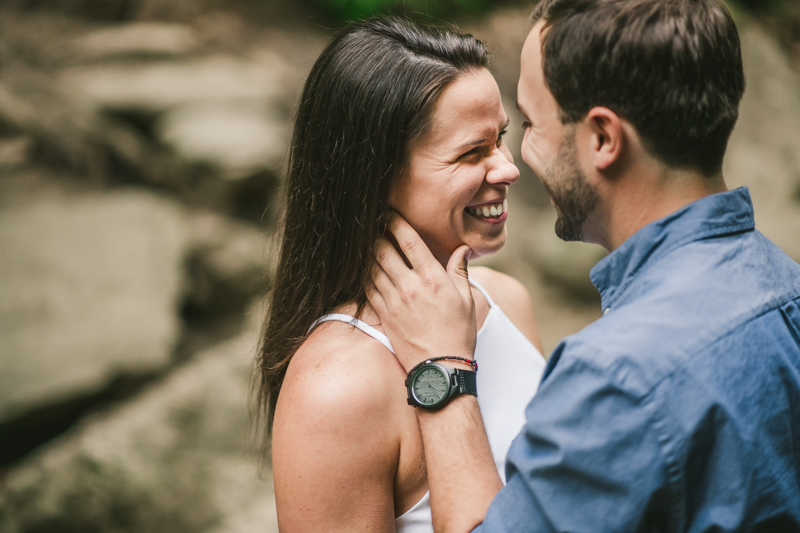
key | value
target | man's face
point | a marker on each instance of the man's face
(548, 146)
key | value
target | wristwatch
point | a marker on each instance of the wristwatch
(432, 385)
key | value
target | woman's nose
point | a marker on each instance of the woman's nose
(502, 169)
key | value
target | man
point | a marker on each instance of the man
(679, 409)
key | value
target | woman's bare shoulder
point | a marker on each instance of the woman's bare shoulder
(512, 297)
(340, 375)
(336, 436)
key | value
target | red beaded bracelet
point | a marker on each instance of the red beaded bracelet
(471, 362)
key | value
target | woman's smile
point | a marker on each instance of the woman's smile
(492, 213)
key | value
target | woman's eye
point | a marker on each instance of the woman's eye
(526, 125)
(471, 152)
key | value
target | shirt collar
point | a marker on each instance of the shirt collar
(712, 216)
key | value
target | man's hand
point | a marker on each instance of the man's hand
(428, 311)
(425, 310)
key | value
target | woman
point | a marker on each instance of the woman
(393, 115)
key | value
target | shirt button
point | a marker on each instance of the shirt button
(607, 309)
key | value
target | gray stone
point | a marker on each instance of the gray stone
(230, 264)
(239, 139)
(159, 86)
(70, 134)
(137, 39)
(221, 111)
(181, 457)
(89, 288)
(15, 150)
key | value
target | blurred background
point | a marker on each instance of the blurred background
(141, 152)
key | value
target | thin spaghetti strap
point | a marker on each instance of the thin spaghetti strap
(483, 291)
(353, 321)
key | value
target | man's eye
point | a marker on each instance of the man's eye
(526, 125)
(500, 138)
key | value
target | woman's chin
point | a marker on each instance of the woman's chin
(477, 253)
(481, 245)
(482, 248)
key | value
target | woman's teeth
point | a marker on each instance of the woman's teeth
(489, 211)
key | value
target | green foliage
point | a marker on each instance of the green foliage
(775, 7)
(355, 9)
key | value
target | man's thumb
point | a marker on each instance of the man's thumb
(457, 266)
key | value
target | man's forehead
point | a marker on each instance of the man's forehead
(532, 48)
(530, 67)
(520, 105)
(534, 98)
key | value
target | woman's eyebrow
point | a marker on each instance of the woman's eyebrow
(471, 144)
(478, 142)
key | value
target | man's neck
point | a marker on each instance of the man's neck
(633, 201)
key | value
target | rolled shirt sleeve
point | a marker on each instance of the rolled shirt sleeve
(589, 459)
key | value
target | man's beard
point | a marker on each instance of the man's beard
(573, 196)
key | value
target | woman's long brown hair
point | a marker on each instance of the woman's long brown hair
(370, 93)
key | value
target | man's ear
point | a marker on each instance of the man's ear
(607, 136)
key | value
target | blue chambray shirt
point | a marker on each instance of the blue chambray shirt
(679, 409)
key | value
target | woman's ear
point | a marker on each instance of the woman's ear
(607, 136)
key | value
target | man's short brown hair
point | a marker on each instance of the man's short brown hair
(673, 68)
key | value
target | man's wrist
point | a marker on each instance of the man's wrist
(457, 364)
(461, 405)
(445, 359)
(409, 363)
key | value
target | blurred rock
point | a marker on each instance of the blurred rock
(178, 458)
(89, 288)
(44, 122)
(138, 39)
(236, 139)
(15, 150)
(67, 134)
(764, 150)
(223, 113)
(231, 263)
(562, 265)
(159, 86)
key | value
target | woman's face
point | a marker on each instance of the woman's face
(455, 189)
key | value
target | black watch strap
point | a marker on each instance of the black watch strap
(466, 381)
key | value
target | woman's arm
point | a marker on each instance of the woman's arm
(513, 298)
(335, 445)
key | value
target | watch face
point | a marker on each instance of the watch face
(430, 385)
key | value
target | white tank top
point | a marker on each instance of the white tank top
(510, 368)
